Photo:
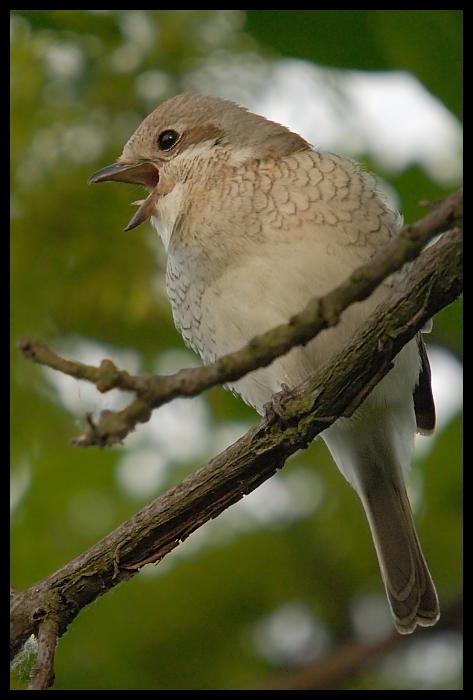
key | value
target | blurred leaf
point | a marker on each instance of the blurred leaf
(372, 40)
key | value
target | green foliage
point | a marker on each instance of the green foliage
(77, 95)
(429, 43)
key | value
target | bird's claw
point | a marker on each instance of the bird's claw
(274, 404)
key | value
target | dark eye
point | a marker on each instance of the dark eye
(167, 139)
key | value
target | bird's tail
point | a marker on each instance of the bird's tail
(377, 477)
(409, 587)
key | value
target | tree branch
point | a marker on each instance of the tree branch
(42, 673)
(151, 392)
(433, 282)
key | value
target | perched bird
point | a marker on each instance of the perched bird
(256, 222)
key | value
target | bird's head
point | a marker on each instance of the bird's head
(187, 126)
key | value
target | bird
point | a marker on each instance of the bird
(256, 222)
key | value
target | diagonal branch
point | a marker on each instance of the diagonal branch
(434, 281)
(151, 392)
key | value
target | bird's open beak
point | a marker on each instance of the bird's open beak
(145, 174)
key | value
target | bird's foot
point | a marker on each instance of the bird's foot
(274, 404)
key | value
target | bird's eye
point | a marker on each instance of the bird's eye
(167, 139)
